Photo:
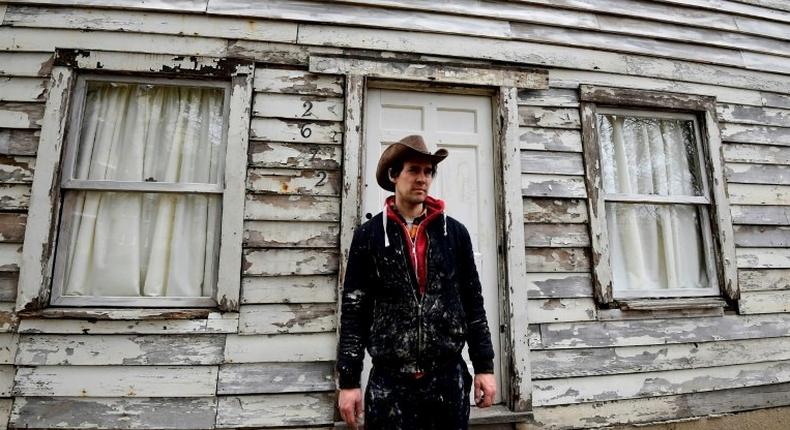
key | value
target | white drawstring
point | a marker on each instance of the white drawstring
(384, 223)
(444, 216)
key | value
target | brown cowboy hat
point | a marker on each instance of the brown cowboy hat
(412, 145)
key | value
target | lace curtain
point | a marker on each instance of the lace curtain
(136, 243)
(653, 246)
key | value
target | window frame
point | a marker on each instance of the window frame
(60, 126)
(67, 183)
(720, 255)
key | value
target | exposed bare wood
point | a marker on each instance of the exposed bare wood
(116, 381)
(14, 197)
(125, 350)
(35, 40)
(558, 260)
(762, 236)
(295, 155)
(178, 5)
(632, 44)
(289, 289)
(561, 310)
(12, 227)
(114, 413)
(276, 410)
(637, 359)
(261, 378)
(757, 174)
(642, 98)
(561, 186)
(656, 331)
(30, 64)
(764, 279)
(540, 210)
(556, 235)
(600, 388)
(167, 327)
(550, 139)
(8, 283)
(281, 347)
(119, 314)
(558, 163)
(288, 234)
(746, 133)
(665, 304)
(295, 131)
(18, 89)
(559, 285)
(764, 302)
(622, 315)
(131, 21)
(763, 116)
(301, 182)
(18, 142)
(290, 318)
(291, 207)
(748, 153)
(21, 115)
(554, 117)
(753, 194)
(467, 74)
(271, 262)
(298, 82)
(651, 409)
(536, 53)
(16, 169)
(293, 106)
(761, 215)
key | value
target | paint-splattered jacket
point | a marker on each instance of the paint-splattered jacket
(383, 311)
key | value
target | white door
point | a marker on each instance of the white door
(461, 124)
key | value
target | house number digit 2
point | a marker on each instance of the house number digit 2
(305, 131)
(322, 181)
(308, 105)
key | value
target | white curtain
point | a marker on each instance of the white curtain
(145, 244)
(652, 246)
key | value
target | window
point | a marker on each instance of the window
(139, 189)
(656, 212)
(141, 185)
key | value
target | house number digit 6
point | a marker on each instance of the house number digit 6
(305, 131)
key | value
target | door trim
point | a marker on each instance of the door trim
(514, 352)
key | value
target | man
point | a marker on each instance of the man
(412, 297)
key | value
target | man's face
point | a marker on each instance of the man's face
(414, 181)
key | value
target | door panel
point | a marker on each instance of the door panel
(461, 124)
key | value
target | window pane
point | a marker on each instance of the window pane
(139, 244)
(656, 247)
(649, 155)
(153, 133)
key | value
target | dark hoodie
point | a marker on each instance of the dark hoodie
(384, 311)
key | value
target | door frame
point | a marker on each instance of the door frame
(501, 84)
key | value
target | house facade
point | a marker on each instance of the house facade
(181, 181)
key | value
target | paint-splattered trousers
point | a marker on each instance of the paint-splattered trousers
(438, 400)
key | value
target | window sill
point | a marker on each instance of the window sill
(122, 314)
(672, 304)
(664, 308)
(497, 414)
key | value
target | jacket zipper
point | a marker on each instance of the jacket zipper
(418, 301)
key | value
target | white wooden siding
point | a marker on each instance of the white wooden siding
(733, 51)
